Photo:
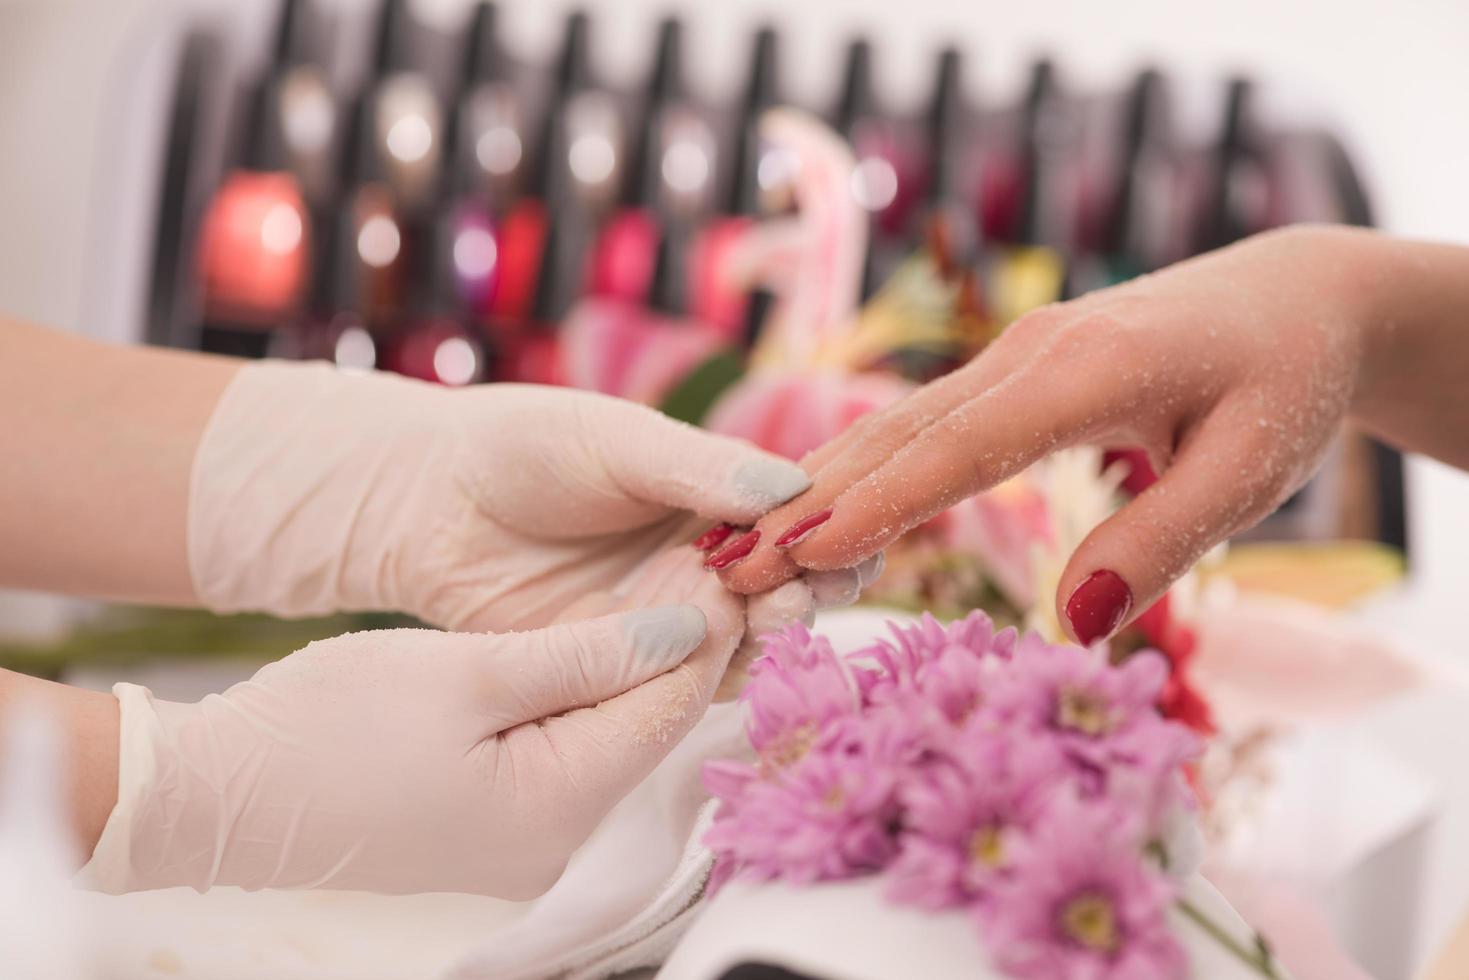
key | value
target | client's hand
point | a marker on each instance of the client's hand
(412, 760)
(488, 508)
(1232, 371)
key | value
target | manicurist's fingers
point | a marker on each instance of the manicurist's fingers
(571, 665)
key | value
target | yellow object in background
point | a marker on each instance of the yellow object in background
(1453, 960)
(1333, 574)
(1025, 277)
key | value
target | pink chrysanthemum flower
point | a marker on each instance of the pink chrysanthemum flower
(1079, 903)
(967, 812)
(825, 817)
(1031, 782)
(945, 667)
(795, 689)
(1101, 713)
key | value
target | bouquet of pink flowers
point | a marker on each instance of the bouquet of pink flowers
(1033, 785)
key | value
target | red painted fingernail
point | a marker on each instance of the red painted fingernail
(803, 527)
(714, 537)
(1098, 606)
(736, 551)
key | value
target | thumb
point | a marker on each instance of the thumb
(573, 665)
(1220, 485)
(653, 457)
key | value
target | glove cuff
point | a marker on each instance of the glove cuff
(112, 867)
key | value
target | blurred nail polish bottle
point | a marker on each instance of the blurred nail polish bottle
(333, 328)
(308, 107)
(944, 218)
(524, 229)
(255, 243)
(946, 222)
(875, 181)
(437, 341)
(482, 115)
(1236, 184)
(489, 113)
(379, 240)
(1032, 270)
(667, 178)
(759, 178)
(532, 352)
(407, 119)
(1132, 223)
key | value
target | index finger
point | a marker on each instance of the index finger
(872, 441)
(980, 444)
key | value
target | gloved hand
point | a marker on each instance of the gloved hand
(488, 508)
(412, 760)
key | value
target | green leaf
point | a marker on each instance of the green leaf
(693, 397)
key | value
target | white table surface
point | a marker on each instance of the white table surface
(231, 935)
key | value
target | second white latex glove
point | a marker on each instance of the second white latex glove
(485, 508)
(412, 760)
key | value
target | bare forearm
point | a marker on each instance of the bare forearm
(88, 722)
(1414, 388)
(97, 447)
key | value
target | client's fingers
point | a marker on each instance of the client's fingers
(609, 748)
(985, 441)
(870, 443)
(1228, 477)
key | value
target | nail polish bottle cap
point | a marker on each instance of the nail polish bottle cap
(338, 286)
(668, 293)
(293, 37)
(757, 309)
(361, 161)
(574, 65)
(857, 100)
(559, 278)
(435, 289)
(1039, 120)
(665, 87)
(263, 143)
(760, 94)
(1234, 148)
(572, 74)
(943, 126)
(1144, 121)
(394, 48)
(264, 146)
(484, 61)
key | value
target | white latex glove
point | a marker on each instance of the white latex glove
(413, 760)
(485, 508)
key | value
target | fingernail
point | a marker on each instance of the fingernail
(835, 589)
(734, 552)
(803, 527)
(1098, 606)
(871, 569)
(713, 537)
(665, 635)
(765, 483)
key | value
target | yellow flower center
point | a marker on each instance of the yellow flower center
(987, 847)
(1084, 712)
(1090, 920)
(790, 749)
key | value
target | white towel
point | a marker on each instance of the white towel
(629, 892)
